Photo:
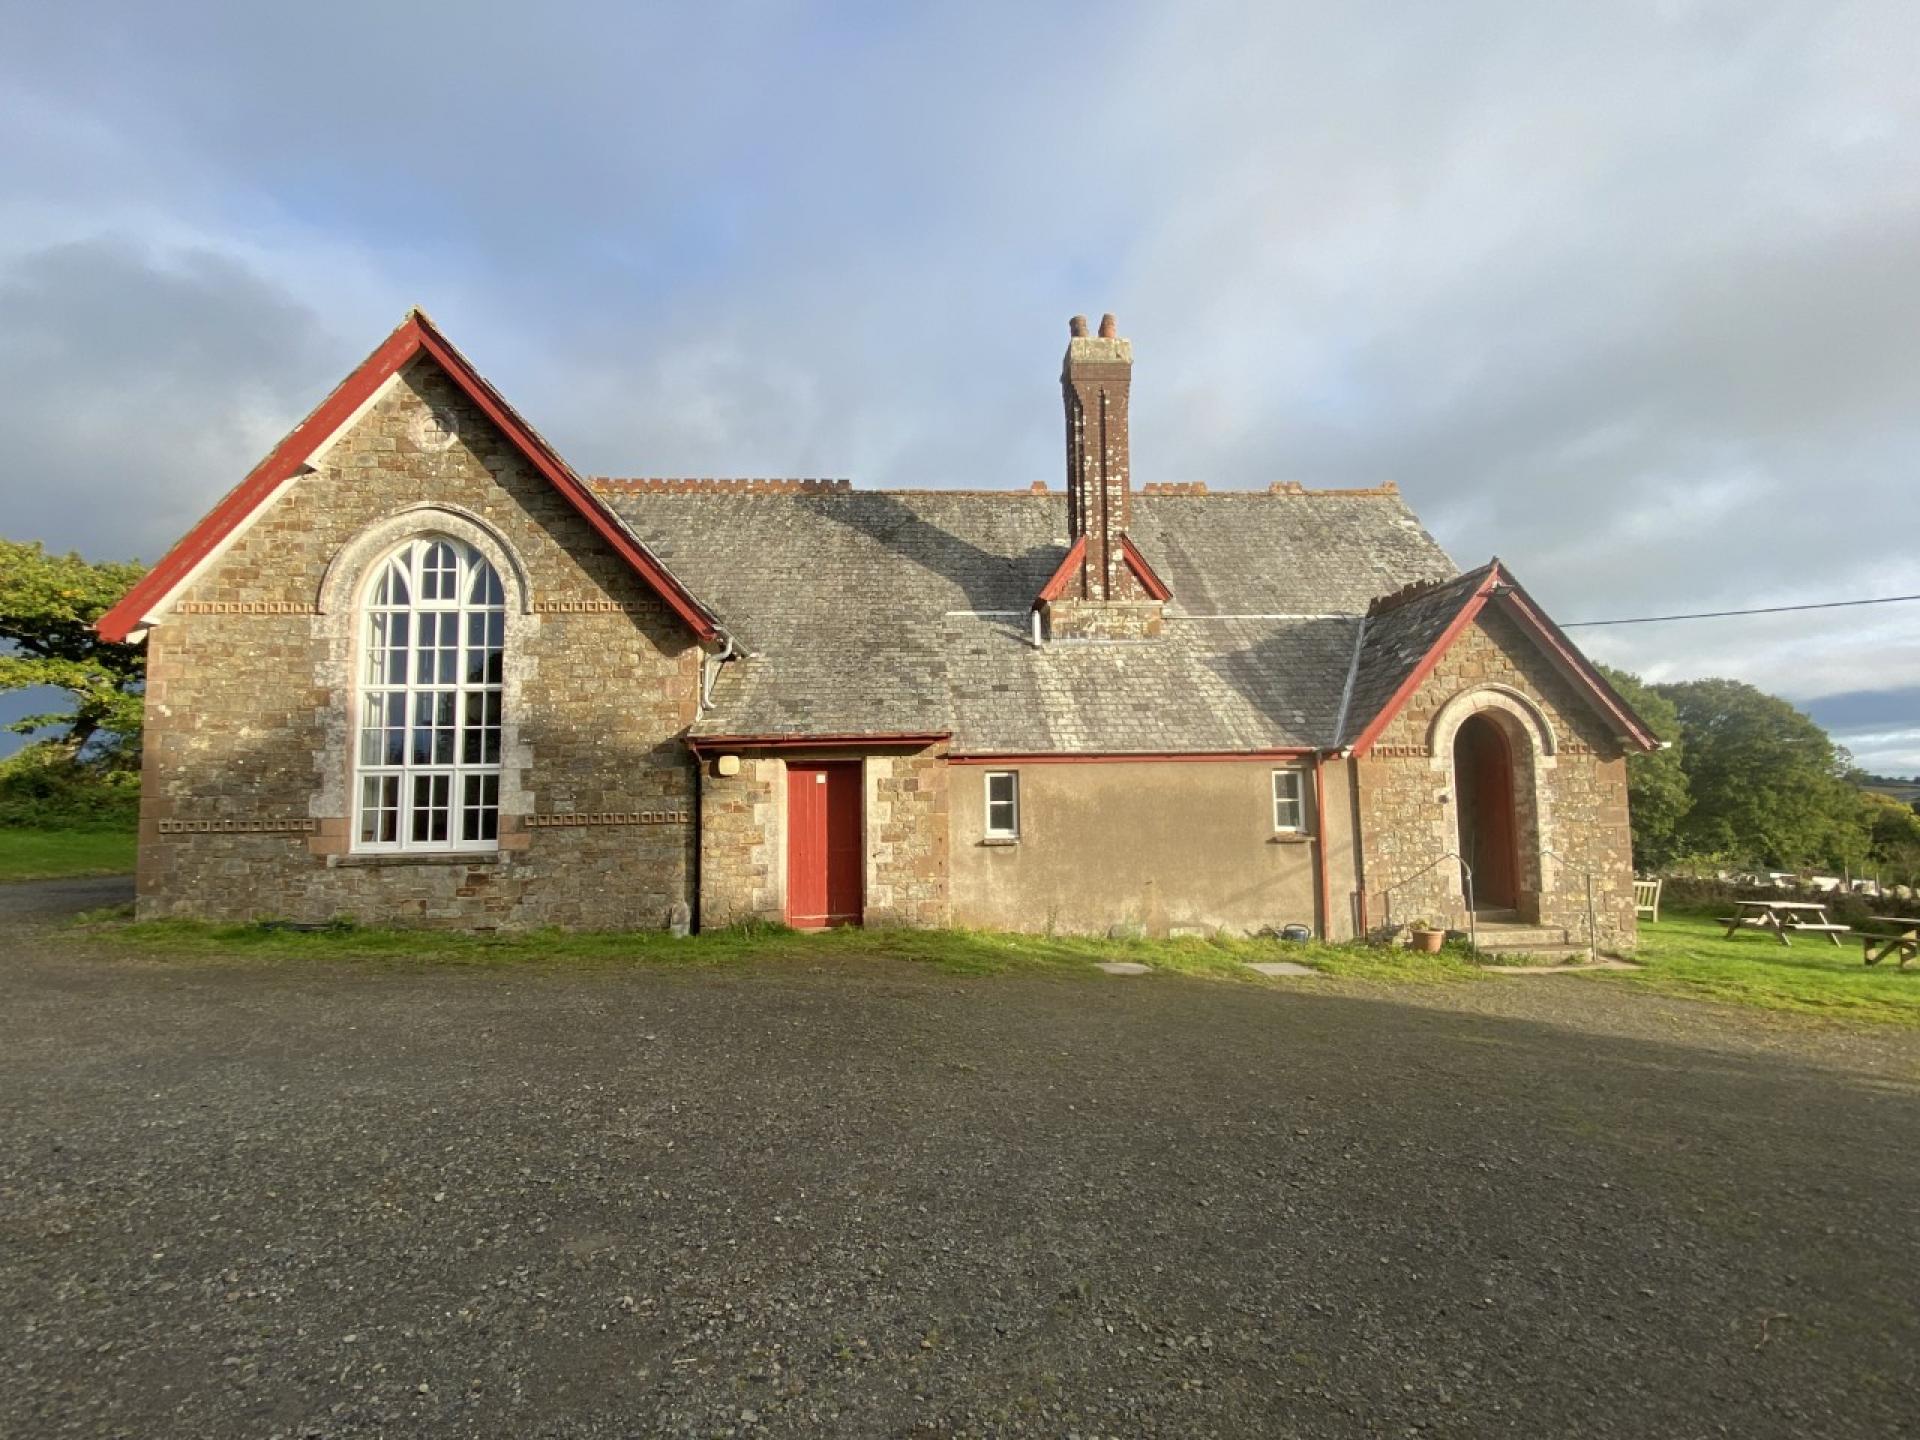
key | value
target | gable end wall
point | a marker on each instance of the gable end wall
(246, 774)
(1577, 808)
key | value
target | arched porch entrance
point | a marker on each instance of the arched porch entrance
(1483, 786)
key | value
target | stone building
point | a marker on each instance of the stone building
(414, 669)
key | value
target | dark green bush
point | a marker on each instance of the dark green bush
(41, 789)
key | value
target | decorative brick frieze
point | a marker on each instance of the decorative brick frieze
(632, 817)
(595, 607)
(244, 607)
(236, 827)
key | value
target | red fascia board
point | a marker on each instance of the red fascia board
(1576, 666)
(413, 335)
(1124, 757)
(1056, 586)
(561, 476)
(1417, 676)
(700, 743)
(241, 501)
(1143, 572)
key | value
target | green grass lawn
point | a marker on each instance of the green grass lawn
(1689, 955)
(958, 951)
(1686, 956)
(54, 854)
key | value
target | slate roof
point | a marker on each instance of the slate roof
(1394, 642)
(871, 612)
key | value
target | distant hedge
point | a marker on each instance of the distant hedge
(41, 789)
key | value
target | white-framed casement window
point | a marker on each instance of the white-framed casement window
(1003, 805)
(1289, 808)
(433, 647)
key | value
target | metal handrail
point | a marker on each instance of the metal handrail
(1593, 945)
(1466, 870)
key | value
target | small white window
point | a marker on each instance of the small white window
(1288, 812)
(1003, 805)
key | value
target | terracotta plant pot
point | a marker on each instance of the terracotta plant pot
(1428, 941)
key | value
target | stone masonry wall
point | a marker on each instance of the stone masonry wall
(1104, 619)
(741, 821)
(907, 836)
(1572, 802)
(246, 807)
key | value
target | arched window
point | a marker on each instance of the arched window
(432, 654)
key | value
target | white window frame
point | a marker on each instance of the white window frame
(1007, 832)
(467, 709)
(1296, 779)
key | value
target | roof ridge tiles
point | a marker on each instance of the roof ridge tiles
(652, 484)
(1421, 589)
(781, 485)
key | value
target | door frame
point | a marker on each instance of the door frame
(858, 768)
(1462, 783)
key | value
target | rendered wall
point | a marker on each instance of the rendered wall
(1167, 847)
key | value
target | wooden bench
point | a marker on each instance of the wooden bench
(1646, 899)
(1781, 916)
(1904, 940)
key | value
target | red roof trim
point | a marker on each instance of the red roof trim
(1142, 571)
(1475, 602)
(698, 743)
(1057, 583)
(1569, 659)
(1565, 656)
(414, 335)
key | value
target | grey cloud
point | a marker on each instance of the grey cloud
(135, 389)
(1628, 294)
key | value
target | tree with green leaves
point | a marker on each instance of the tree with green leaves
(48, 604)
(1767, 783)
(1893, 837)
(1657, 796)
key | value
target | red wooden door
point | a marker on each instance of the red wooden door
(826, 859)
(1483, 789)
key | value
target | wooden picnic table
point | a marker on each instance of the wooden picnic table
(1780, 916)
(1903, 937)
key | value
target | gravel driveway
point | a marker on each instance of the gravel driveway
(874, 1200)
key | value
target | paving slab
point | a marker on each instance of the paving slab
(1281, 967)
(1123, 967)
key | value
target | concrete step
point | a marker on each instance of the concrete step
(1544, 954)
(1520, 937)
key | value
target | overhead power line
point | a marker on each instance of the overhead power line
(1723, 614)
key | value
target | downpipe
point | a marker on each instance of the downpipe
(710, 671)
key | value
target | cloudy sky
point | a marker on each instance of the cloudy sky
(1626, 293)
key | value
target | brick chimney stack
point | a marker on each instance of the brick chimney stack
(1095, 380)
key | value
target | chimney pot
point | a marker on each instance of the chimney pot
(1109, 327)
(1077, 326)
